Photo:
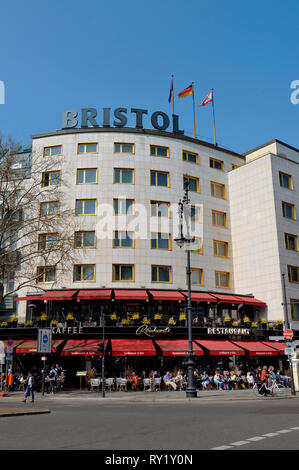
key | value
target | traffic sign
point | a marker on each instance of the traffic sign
(288, 334)
(10, 342)
(288, 351)
(44, 342)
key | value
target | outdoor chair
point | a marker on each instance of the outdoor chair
(94, 383)
(146, 384)
(109, 384)
(157, 383)
(121, 384)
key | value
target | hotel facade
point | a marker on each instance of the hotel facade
(123, 186)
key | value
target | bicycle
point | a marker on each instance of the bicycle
(272, 389)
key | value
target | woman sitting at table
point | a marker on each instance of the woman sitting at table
(134, 379)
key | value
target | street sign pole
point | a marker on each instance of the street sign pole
(44, 346)
(287, 326)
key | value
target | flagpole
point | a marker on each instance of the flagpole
(193, 109)
(215, 142)
(172, 96)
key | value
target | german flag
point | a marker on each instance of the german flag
(186, 92)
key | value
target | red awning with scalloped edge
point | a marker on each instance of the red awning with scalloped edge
(167, 295)
(220, 347)
(82, 347)
(130, 294)
(94, 294)
(256, 348)
(177, 347)
(30, 346)
(133, 347)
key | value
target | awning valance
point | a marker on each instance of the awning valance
(219, 347)
(104, 294)
(277, 345)
(30, 346)
(200, 297)
(85, 347)
(167, 295)
(256, 348)
(177, 347)
(133, 347)
(130, 294)
(59, 295)
(15, 344)
(228, 299)
(252, 301)
(29, 297)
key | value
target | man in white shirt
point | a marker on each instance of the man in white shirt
(29, 388)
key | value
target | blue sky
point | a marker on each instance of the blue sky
(70, 54)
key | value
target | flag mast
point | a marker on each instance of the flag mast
(215, 142)
(172, 96)
(193, 109)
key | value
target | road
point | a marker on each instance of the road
(83, 423)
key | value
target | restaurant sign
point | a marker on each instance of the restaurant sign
(228, 331)
(151, 332)
(69, 330)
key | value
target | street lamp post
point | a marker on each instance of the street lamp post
(287, 326)
(191, 389)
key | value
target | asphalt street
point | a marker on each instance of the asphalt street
(216, 422)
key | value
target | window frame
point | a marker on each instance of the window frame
(45, 267)
(48, 216)
(82, 247)
(87, 143)
(222, 185)
(290, 179)
(169, 248)
(122, 214)
(39, 241)
(82, 265)
(283, 203)
(219, 212)
(190, 153)
(161, 202)
(88, 199)
(120, 246)
(229, 279)
(121, 170)
(286, 235)
(201, 277)
(159, 185)
(159, 147)
(288, 270)
(226, 245)
(51, 147)
(292, 303)
(123, 264)
(124, 143)
(49, 172)
(193, 178)
(161, 266)
(84, 169)
(212, 159)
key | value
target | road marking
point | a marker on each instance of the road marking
(222, 448)
(271, 434)
(296, 428)
(255, 438)
(239, 443)
(284, 431)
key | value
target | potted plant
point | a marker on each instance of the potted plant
(157, 318)
(235, 323)
(54, 323)
(227, 320)
(135, 318)
(270, 326)
(182, 319)
(146, 321)
(254, 324)
(264, 323)
(124, 322)
(70, 319)
(43, 319)
(279, 325)
(14, 321)
(113, 318)
(246, 321)
(28, 323)
(4, 324)
(171, 321)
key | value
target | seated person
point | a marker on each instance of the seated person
(250, 379)
(218, 380)
(134, 380)
(169, 381)
(283, 380)
(205, 380)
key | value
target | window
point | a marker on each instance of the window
(87, 175)
(45, 274)
(161, 241)
(197, 245)
(88, 148)
(85, 206)
(220, 249)
(123, 206)
(193, 183)
(49, 209)
(85, 239)
(219, 219)
(190, 157)
(216, 164)
(195, 214)
(294, 309)
(222, 279)
(234, 166)
(288, 210)
(157, 151)
(218, 190)
(123, 240)
(285, 180)
(123, 176)
(196, 277)
(160, 209)
(124, 148)
(53, 151)
(161, 274)
(123, 272)
(47, 241)
(291, 242)
(293, 274)
(50, 178)
(159, 178)
(84, 272)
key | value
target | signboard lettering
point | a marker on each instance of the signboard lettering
(228, 331)
(148, 331)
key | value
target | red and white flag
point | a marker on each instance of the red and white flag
(207, 99)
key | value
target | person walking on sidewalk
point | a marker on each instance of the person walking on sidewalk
(29, 388)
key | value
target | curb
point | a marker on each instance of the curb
(24, 413)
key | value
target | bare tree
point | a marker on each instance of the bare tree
(36, 230)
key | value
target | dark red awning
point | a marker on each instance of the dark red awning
(59, 295)
(83, 347)
(177, 347)
(220, 347)
(200, 297)
(277, 345)
(167, 295)
(94, 294)
(29, 297)
(30, 346)
(256, 348)
(15, 344)
(130, 294)
(133, 347)
(228, 299)
(252, 301)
